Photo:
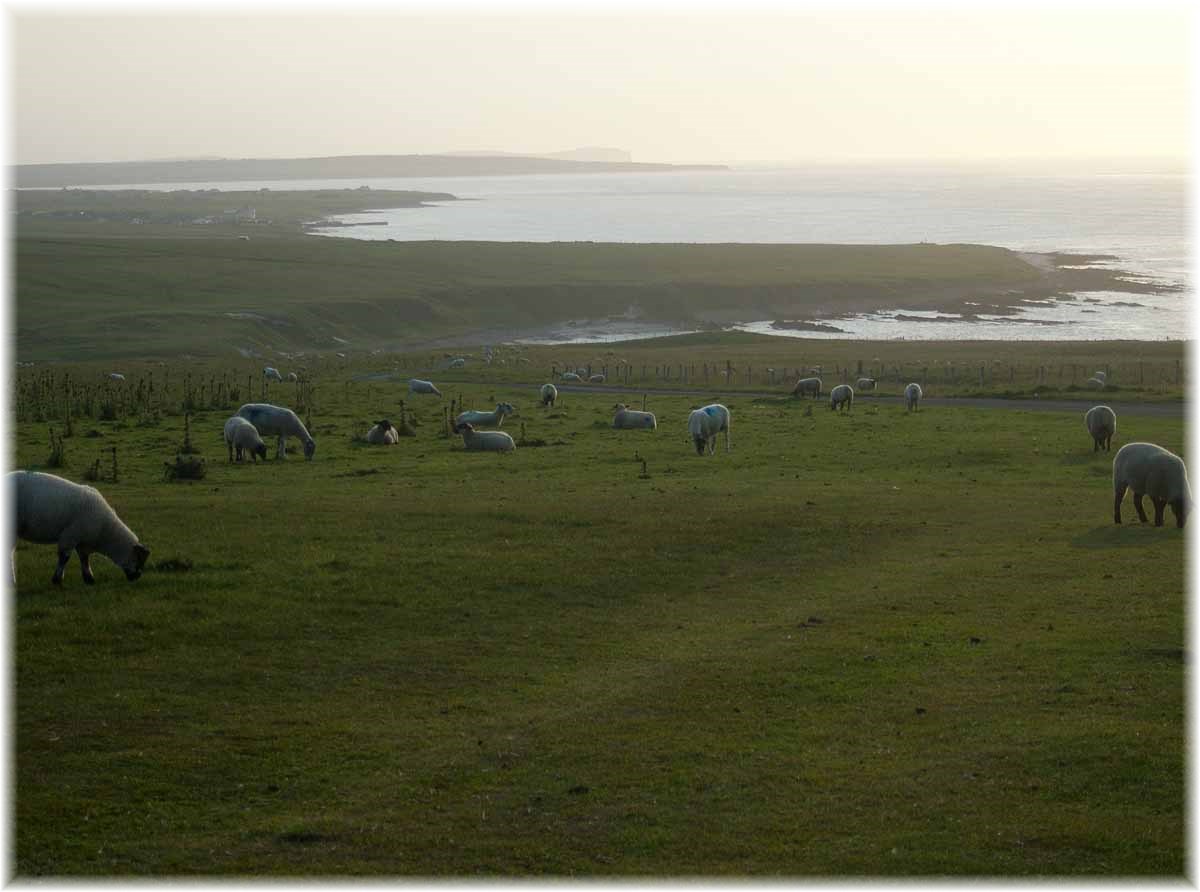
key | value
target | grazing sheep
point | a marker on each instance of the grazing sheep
(865, 384)
(841, 396)
(485, 441)
(416, 385)
(292, 376)
(570, 376)
(383, 434)
(272, 374)
(116, 376)
(912, 396)
(51, 510)
(495, 418)
(279, 422)
(1150, 470)
(1101, 423)
(808, 386)
(630, 419)
(459, 362)
(704, 425)
(549, 394)
(242, 436)
(596, 379)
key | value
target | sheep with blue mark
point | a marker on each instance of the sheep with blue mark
(703, 426)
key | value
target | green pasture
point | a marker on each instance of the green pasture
(870, 644)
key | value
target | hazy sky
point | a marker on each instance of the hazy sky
(709, 86)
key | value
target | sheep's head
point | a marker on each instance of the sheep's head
(701, 443)
(261, 450)
(465, 427)
(309, 448)
(136, 561)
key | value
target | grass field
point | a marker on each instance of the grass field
(875, 644)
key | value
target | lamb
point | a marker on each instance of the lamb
(279, 422)
(808, 385)
(1150, 470)
(1101, 423)
(416, 385)
(75, 517)
(486, 419)
(485, 441)
(912, 396)
(704, 425)
(383, 434)
(630, 419)
(272, 374)
(549, 395)
(841, 396)
(242, 436)
(865, 384)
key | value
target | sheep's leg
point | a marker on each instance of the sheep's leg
(1176, 507)
(85, 564)
(1137, 503)
(728, 448)
(281, 452)
(1159, 506)
(64, 555)
(1096, 444)
(231, 452)
(1118, 495)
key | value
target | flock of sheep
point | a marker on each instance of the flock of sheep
(76, 518)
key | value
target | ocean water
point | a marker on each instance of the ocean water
(1135, 213)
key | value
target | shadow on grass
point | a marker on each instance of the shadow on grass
(1130, 533)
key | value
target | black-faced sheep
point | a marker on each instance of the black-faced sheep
(281, 422)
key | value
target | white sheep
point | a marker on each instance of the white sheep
(912, 396)
(242, 436)
(704, 425)
(596, 379)
(51, 510)
(841, 397)
(495, 418)
(1150, 470)
(865, 384)
(1101, 422)
(383, 434)
(292, 376)
(272, 374)
(808, 385)
(417, 385)
(278, 421)
(630, 419)
(1095, 383)
(460, 362)
(116, 376)
(570, 376)
(485, 441)
(549, 394)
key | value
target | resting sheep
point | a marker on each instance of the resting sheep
(631, 419)
(865, 384)
(1101, 423)
(912, 396)
(549, 395)
(383, 434)
(704, 425)
(277, 421)
(841, 396)
(51, 510)
(272, 374)
(1150, 470)
(495, 418)
(807, 385)
(416, 385)
(242, 436)
(485, 441)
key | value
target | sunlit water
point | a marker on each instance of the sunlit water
(1138, 216)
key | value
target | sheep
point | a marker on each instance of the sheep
(242, 436)
(570, 376)
(74, 517)
(116, 376)
(1152, 471)
(596, 379)
(486, 419)
(549, 395)
(292, 376)
(1095, 383)
(1101, 422)
(704, 425)
(912, 396)
(841, 396)
(865, 384)
(383, 434)
(272, 374)
(459, 362)
(416, 385)
(630, 419)
(484, 441)
(808, 385)
(280, 422)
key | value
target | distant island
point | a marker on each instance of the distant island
(203, 170)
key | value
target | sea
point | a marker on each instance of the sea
(1136, 213)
